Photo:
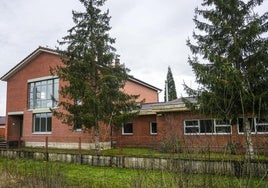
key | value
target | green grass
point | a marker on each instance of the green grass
(28, 173)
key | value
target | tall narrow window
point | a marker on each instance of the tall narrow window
(43, 93)
(153, 128)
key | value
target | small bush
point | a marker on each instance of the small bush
(171, 146)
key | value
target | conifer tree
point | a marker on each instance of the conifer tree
(170, 88)
(93, 90)
(233, 75)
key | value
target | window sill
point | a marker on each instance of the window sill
(127, 134)
(207, 134)
(40, 110)
(42, 133)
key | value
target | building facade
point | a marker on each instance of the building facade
(28, 116)
(166, 126)
(171, 126)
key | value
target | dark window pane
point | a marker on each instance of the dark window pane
(128, 128)
(191, 123)
(43, 122)
(191, 130)
(49, 122)
(226, 129)
(153, 128)
(262, 128)
(241, 125)
(36, 123)
(206, 126)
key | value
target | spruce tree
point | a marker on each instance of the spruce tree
(233, 72)
(170, 88)
(93, 92)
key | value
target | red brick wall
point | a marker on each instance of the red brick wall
(17, 102)
(146, 93)
(141, 134)
(2, 131)
(171, 126)
(17, 84)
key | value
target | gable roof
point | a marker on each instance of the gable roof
(40, 50)
(27, 60)
(131, 78)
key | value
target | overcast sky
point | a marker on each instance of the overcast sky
(150, 35)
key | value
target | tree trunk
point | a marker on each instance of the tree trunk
(249, 145)
(97, 139)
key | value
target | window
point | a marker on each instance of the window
(153, 128)
(127, 129)
(223, 126)
(191, 126)
(207, 126)
(42, 122)
(241, 126)
(42, 92)
(262, 125)
(257, 125)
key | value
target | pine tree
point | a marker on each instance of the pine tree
(170, 88)
(233, 75)
(93, 90)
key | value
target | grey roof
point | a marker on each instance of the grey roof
(175, 105)
(2, 120)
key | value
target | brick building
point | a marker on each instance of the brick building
(171, 124)
(29, 89)
(158, 125)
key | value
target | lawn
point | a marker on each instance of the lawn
(28, 173)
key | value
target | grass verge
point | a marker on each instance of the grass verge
(28, 173)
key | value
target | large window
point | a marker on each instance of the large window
(42, 122)
(43, 93)
(207, 126)
(127, 129)
(257, 125)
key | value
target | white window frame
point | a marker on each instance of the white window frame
(223, 125)
(42, 97)
(197, 125)
(34, 123)
(123, 130)
(151, 129)
(255, 125)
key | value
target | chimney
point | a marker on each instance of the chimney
(117, 60)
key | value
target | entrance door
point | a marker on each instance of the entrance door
(15, 130)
